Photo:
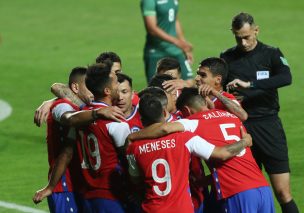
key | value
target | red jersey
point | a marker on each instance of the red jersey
(56, 136)
(166, 178)
(134, 120)
(237, 174)
(178, 115)
(135, 99)
(99, 160)
(219, 105)
(196, 171)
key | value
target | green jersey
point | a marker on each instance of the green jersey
(165, 12)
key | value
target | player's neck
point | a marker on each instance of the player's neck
(129, 112)
(105, 100)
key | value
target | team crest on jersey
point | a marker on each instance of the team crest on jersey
(135, 129)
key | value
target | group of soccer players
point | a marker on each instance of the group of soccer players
(113, 150)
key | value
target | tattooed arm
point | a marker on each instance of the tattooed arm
(63, 91)
(232, 106)
(231, 150)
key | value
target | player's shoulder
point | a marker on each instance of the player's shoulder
(63, 101)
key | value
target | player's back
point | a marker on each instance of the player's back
(239, 173)
(99, 160)
(164, 163)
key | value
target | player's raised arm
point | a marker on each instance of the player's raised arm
(42, 112)
(63, 91)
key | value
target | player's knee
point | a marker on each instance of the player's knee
(283, 195)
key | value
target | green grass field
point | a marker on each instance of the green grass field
(42, 40)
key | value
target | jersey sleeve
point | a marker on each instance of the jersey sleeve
(148, 7)
(189, 125)
(133, 167)
(200, 147)
(60, 109)
(119, 132)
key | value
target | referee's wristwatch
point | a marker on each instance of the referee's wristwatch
(251, 85)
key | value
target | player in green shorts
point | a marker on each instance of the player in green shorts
(164, 36)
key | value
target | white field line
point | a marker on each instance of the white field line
(20, 207)
(5, 110)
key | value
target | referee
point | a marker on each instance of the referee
(256, 71)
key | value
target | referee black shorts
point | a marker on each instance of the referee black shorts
(269, 144)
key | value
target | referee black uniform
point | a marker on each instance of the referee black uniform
(266, 69)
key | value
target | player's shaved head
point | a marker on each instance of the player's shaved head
(190, 98)
(76, 75)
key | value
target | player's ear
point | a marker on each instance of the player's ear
(107, 91)
(132, 94)
(164, 113)
(256, 30)
(186, 111)
(75, 87)
(218, 80)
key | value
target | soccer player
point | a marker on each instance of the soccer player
(164, 37)
(171, 66)
(157, 81)
(165, 178)
(100, 145)
(211, 76)
(163, 98)
(64, 183)
(256, 71)
(116, 60)
(126, 94)
(238, 181)
(117, 68)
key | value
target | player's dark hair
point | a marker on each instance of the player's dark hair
(166, 64)
(217, 66)
(150, 109)
(98, 78)
(108, 56)
(123, 77)
(190, 97)
(158, 80)
(76, 73)
(242, 18)
(156, 92)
